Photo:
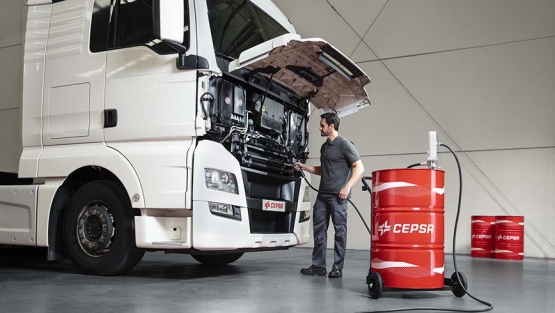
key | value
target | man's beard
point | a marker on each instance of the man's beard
(324, 134)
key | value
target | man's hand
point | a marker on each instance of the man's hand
(358, 169)
(307, 168)
(344, 193)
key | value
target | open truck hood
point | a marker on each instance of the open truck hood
(312, 68)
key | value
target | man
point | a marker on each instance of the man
(340, 168)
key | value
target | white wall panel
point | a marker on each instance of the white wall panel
(488, 189)
(392, 124)
(360, 14)
(11, 77)
(10, 140)
(11, 13)
(316, 19)
(522, 182)
(362, 54)
(495, 101)
(408, 27)
(494, 97)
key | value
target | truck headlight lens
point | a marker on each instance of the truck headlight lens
(220, 180)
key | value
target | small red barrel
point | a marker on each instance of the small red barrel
(509, 237)
(482, 233)
(408, 228)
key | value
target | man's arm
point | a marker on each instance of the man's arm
(308, 168)
(356, 174)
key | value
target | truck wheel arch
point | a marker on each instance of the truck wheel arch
(63, 195)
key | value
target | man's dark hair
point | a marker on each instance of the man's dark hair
(331, 118)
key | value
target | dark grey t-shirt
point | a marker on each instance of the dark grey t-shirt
(336, 160)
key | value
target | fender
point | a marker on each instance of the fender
(115, 162)
(61, 161)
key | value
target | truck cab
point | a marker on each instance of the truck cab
(165, 125)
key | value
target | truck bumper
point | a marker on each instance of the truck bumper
(209, 232)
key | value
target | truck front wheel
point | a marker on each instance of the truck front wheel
(217, 259)
(98, 228)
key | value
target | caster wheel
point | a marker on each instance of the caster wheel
(375, 285)
(457, 287)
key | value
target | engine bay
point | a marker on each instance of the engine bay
(261, 123)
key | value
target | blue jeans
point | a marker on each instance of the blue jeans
(324, 208)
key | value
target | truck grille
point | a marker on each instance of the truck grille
(264, 222)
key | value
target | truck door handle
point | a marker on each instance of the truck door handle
(110, 118)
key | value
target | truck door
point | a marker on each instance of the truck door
(74, 75)
(153, 98)
(155, 102)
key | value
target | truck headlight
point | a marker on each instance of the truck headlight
(220, 180)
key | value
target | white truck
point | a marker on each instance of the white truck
(159, 125)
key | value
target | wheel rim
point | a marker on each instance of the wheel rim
(373, 286)
(96, 228)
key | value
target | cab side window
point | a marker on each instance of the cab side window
(118, 24)
(100, 25)
(134, 23)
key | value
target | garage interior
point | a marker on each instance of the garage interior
(479, 73)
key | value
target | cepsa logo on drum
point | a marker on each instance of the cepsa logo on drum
(407, 228)
(481, 236)
(513, 238)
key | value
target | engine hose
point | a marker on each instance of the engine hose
(489, 305)
(209, 99)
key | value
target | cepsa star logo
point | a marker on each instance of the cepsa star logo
(384, 228)
(406, 228)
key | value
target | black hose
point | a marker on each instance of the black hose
(203, 99)
(414, 165)
(490, 306)
(335, 194)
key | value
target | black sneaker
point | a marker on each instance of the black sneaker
(313, 270)
(335, 273)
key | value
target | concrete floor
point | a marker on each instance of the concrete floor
(260, 282)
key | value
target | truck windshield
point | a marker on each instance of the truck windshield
(238, 25)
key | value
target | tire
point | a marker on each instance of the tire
(375, 285)
(217, 259)
(99, 230)
(457, 289)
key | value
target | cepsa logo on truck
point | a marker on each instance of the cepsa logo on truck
(407, 228)
(269, 205)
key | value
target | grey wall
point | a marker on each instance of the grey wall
(11, 77)
(479, 72)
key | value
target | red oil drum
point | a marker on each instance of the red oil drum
(408, 228)
(509, 237)
(482, 234)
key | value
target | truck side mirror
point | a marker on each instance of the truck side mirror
(169, 18)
